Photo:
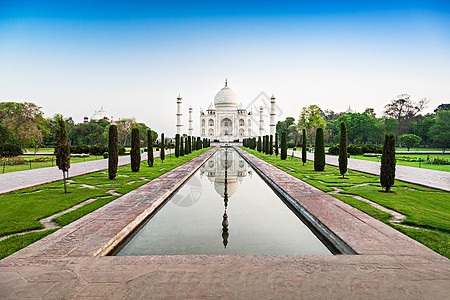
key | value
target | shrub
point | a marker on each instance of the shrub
(62, 150)
(304, 147)
(135, 150)
(98, 150)
(276, 143)
(113, 149)
(283, 154)
(163, 152)
(387, 169)
(354, 149)
(121, 150)
(369, 148)
(319, 153)
(10, 150)
(334, 150)
(343, 160)
(177, 145)
(150, 148)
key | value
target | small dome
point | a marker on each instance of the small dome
(103, 114)
(96, 116)
(241, 107)
(211, 107)
(226, 98)
(349, 111)
(232, 187)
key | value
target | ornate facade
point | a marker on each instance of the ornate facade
(225, 120)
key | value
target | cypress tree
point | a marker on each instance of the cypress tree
(135, 152)
(177, 145)
(181, 146)
(189, 146)
(186, 146)
(62, 150)
(271, 145)
(113, 152)
(304, 147)
(150, 158)
(319, 152)
(264, 144)
(259, 146)
(283, 154)
(276, 143)
(343, 160)
(163, 145)
(387, 171)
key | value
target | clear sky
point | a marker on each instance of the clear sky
(71, 57)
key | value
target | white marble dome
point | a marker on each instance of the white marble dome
(226, 98)
(103, 114)
(96, 117)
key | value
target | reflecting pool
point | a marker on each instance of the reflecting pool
(224, 208)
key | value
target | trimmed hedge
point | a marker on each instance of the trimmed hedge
(10, 150)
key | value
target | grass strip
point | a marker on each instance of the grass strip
(423, 207)
(22, 210)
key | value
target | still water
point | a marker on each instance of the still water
(224, 208)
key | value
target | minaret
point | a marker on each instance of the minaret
(179, 116)
(272, 115)
(261, 121)
(191, 123)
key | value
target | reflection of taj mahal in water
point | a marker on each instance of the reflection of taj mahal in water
(236, 167)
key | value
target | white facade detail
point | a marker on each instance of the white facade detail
(179, 116)
(226, 120)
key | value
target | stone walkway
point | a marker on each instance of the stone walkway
(70, 263)
(29, 178)
(424, 177)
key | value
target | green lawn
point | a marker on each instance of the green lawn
(22, 210)
(401, 160)
(37, 165)
(424, 208)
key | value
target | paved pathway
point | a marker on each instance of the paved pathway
(424, 177)
(29, 178)
(69, 264)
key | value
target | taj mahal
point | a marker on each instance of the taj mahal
(226, 120)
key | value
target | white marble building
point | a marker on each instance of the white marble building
(225, 120)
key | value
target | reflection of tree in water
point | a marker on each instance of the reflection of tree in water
(226, 170)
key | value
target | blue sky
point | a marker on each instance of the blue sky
(134, 58)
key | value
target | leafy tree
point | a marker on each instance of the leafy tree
(441, 129)
(181, 146)
(343, 160)
(283, 154)
(62, 151)
(276, 143)
(150, 158)
(443, 106)
(362, 128)
(422, 128)
(283, 126)
(387, 169)
(404, 110)
(304, 146)
(311, 119)
(177, 145)
(409, 140)
(163, 153)
(135, 152)
(23, 122)
(91, 134)
(319, 152)
(113, 152)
